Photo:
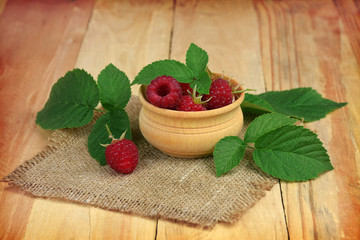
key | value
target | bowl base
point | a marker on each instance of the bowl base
(187, 155)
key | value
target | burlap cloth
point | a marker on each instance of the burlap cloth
(185, 190)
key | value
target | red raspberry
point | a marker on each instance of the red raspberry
(220, 93)
(122, 155)
(187, 104)
(186, 89)
(164, 92)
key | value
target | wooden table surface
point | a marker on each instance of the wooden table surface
(267, 45)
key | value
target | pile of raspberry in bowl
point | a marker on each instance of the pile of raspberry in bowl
(167, 92)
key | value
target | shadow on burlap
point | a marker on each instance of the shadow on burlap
(185, 190)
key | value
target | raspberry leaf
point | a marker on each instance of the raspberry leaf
(291, 153)
(228, 153)
(264, 124)
(202, 84)
(72, 101)
(196, 59)
(301, 103)
(167, 67)
(255, 104)
(114, 88)
(118, 122)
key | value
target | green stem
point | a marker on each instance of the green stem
(208, 70)
(245, 90)
(109, 132)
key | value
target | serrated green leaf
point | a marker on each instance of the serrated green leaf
(118, 122)
(202, 84)
(114, 88)
(264, 124)
(301, 103)
(72, 101)
(172, 68)
(196, 59)
(255, 104)
(228, 153)
(291, 153)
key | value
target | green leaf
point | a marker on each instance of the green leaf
(114, 88)
(255, 104)
(291, 153)
(228, 153)
(301, 103)
(72, 101)
(264, 124)
(118, 122)
(172, 68)
(196, 59)
(202, 84)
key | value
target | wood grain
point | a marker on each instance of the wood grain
(39, 42)
(2, 5)
(349, 14)
(113, 225)
(307, 46)
(228, 31)
(58, 220)
(263, 221)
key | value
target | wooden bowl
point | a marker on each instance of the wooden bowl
(189, 134)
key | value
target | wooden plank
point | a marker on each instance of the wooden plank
(129, 35)
(113, 225)
(343, 150)
(39, 42)
(265, 220)
(308, 46)
(349, 168)
(2, 5)
(15, 207)
(350, 69)
(228, 31)
(349, 12)
(276, 39)
(58, 220)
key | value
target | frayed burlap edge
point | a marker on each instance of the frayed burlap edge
(230, 217)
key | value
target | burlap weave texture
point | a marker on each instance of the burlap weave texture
(185, 190)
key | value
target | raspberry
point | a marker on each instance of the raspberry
(122, 156)
(164, 92)
(186, 89)
(187, 104)
(220, 94)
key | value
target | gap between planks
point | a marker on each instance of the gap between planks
(172, 28)
(283, 206)
(169, 57)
